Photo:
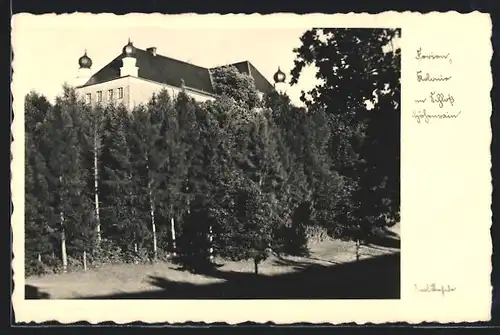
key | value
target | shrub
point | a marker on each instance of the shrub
(316, 234)
(106, 253)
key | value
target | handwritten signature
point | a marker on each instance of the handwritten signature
(436, 288)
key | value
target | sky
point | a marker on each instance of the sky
(46, 51)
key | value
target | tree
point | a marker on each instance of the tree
(127, 217)
(258, 206)
(221, 172)
(38, 232)
(70, 203)
(94, 118)
(147, 157)
(359, 91)
(229, 82)
(196, 129)
(292, 123)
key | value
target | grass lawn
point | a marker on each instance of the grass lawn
(165, 280)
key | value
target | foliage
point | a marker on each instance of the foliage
(237, 176)
(360, 94)
(38, 232)
(229, 82)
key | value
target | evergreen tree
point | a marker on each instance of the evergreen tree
(197, 228)
(167, 166)
(92, 146)
(259, 189)
(127, 215)
(38, 232)
(222, 174)
(292, 124)
(67, 177)
(146, 158)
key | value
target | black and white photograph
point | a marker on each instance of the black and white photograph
(212, 163)
(282, 168)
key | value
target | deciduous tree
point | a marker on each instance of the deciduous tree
(359, 71)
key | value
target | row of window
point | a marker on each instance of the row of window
(88, 96)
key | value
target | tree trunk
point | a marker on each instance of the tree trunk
(172, 227)
(84, 260)
(152, 209)
(96, 190)
(357, 249)
(210, 244)
(39, 258)
(155, 243)
(153, 222)
(256, 266)
(64, 255)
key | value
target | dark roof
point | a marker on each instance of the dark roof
(170, 71)
(261, 83)
(160, 69)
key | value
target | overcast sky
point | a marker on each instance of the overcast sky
(47, 48)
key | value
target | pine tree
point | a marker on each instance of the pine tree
(67, 176)
(175, 165)
(38, 233)
(221, 172)
(292, 124)
(94, 118)
(143, 134)
(258, 205)
(121, 180)
(196, 136)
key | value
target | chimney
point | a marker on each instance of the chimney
(152, 50)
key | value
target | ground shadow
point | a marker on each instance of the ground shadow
(374, 278)
(385, 237)
(196, 265)
(33, 292)
(385, 241)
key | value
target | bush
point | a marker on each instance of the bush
(163, 255)
(106, 253)
(34, 268)
(316, 234)
(142, 255)
(291, 240)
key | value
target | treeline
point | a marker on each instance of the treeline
(234, 178)
(173, 176)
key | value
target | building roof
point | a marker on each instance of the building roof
(160, 69)
(261, 83)
(171, 71)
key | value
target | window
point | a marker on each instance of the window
(88, 98)
(99, 96)
(120, 93)
(110, 95)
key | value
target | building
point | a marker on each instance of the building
(135, 75)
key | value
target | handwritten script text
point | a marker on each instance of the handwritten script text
(439, 102)
(436, 288)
